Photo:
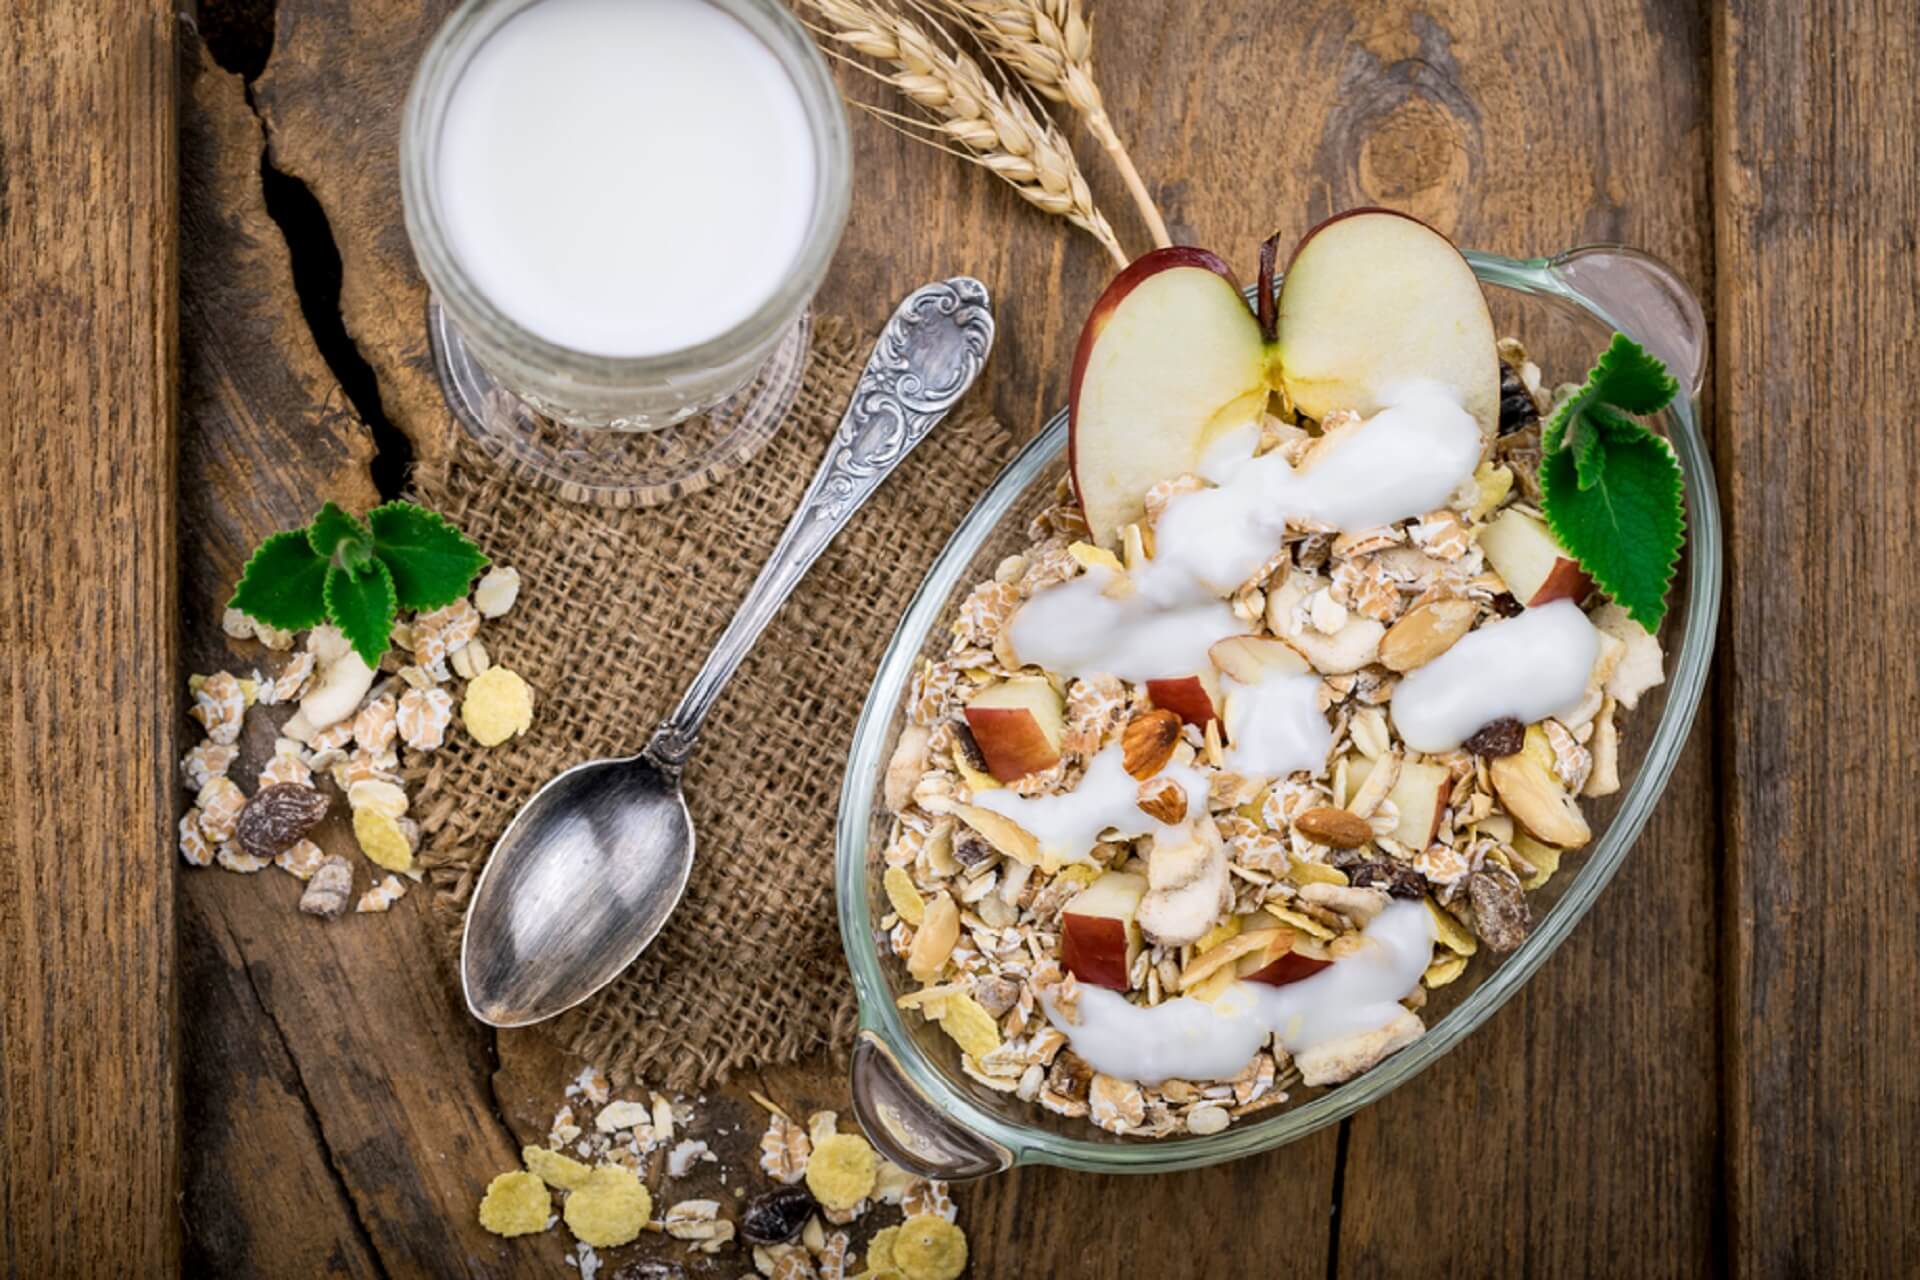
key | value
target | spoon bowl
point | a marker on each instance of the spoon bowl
(591, 867)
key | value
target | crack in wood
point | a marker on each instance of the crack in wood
(312, 1112)
(1339, 1186)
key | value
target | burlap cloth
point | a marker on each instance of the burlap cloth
(617, 610)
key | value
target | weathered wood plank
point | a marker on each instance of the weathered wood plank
(87, 632)
(1817, 210)
(338, 1098)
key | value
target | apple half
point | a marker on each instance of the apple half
(1171, 357)
(1099, 939)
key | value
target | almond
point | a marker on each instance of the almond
(1163, 800)
(1148, 741)
(1337, 827)
(1424, 633)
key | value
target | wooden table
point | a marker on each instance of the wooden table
(211, 323)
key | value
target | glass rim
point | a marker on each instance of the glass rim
(440, 68)
(1031, 1144)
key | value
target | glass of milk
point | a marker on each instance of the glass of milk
(622, 207)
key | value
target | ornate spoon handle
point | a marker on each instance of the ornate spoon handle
(926, 358)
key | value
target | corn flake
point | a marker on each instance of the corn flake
(516, 1204)
(555, 1169)
(929, 1248)
(609, 1208)
(1304, 923)
(970, 1025)
(498, 706)
(1444, 970)
(382, 840)
(841, 1171)
(905, 898)
(1452, 934)
(880, 1249)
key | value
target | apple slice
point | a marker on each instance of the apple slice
(1301, 958)
(1018, 726)
(1195, 699)
(1420, 794)
(1170, 355)
(1099, 938)
(1529, 560)
(1374, 299)
(1251, 659)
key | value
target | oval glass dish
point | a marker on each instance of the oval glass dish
(909, 1091)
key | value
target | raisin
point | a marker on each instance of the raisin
(970, 848)
(965, 744)
(1500, 913)
(1506, 606)
(1398, 879)
(1517, 410)
(777, 1216)
(1070, 1076)
(278, 818)
(1500, 737)
(651, 1270)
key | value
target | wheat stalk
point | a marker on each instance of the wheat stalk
(1050, 45)
(992, 127)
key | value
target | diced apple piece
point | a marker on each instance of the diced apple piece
(1251, 659)
(1420, 795)
(1099, 937)
(1524, 553)
(1302, 958)
(1018, 726)
(1537, 801)
(1195, 699)
(1169, 356)
(1374, 299)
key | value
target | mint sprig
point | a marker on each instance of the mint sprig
(358, 574)
(1610, 487)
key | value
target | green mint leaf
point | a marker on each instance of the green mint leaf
(283, 584)
(1629, 378)
(1626, 529)
(1589, 459)
(334, 535)
(362, 606)
(432, 563)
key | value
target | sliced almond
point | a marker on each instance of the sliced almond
(1347, 650)
(1424, 633)
(1537, 801)
(1337, 827)
(1148, 741)
(933, 942)
(1163, 800)
(1003, 833)
(1205, 965)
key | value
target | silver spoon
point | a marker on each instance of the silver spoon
(591, 867)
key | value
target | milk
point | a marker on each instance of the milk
(1068, 825)
(625, 177)
(1525, 668)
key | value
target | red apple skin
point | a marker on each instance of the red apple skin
(1565, 581)
(1094, 950)
(1011, 740)
(1141, 268)
(1290, 967)
(1186, 697)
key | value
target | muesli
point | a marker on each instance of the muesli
(1291, 702)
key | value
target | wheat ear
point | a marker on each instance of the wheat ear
(1049, 44)
(994, 128)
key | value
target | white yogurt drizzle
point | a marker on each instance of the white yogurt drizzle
(1404, 461)
(1189, 1039)
(1068, 825)
(1276, 727)
(1529, 667)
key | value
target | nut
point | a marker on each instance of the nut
(1500, 913)
(1424, 633)
(1497, 738)
(1538, 802)
(1148, 741)
(278, 817)
(1337, 827)
(329, 889)
(1164, 800)
(337, 690)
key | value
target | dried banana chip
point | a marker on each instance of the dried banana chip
(905, 898)
(1444, 970)
(1452, 934)
(970, 1025)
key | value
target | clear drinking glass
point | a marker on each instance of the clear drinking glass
(909, 1092)
(590, 425)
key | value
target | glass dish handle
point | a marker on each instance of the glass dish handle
(908, 1129)
(1645, 296)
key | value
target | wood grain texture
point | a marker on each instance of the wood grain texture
(1817, 202)
(87, 638)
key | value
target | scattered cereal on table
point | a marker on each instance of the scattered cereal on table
(498, 706)
(382, 839)
(608, 1209)
(516, 1204)
(554, 1169)
(841, 1171)
(382, 896)
(929, 1248)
